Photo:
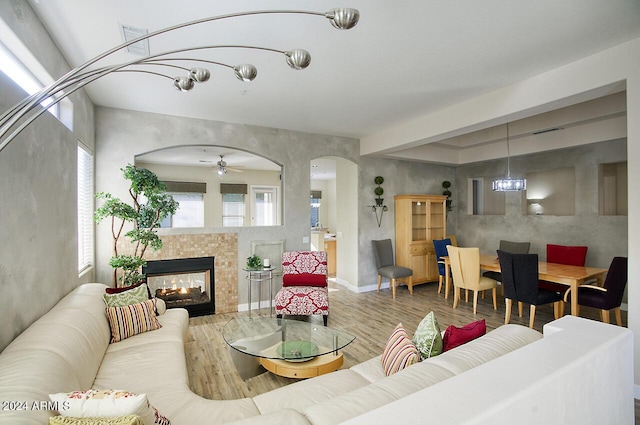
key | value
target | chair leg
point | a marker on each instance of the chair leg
(466, 295)
(520, 306)
(532, 315)
(560, 309)
(494, 291)
(379, 282)
(325, 319)
(410, 284)
(507, 312)
(456, 296)
(475, 302)
(440, 279)
(393, 284)
(556, 309)
(618, 316)
(605, 316)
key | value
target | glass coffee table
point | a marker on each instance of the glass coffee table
(289, 348)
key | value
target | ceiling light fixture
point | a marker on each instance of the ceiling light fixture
(222, 166)
(21, 115)
(508, 184)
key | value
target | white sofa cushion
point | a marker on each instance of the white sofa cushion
(303, 394)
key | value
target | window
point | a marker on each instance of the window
(190, 213)
(264, 204)
(85, 208)
(19, 64)
(484, 201)
(551, 192)
(612, 185)
(232, 209)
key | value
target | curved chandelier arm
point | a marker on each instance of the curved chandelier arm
(341, 18)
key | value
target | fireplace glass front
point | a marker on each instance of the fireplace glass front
(186, 283)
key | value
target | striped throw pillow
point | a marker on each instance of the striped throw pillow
(399, 352)
(131, 320)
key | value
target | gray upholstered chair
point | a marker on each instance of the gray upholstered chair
(383, 254)
(511, 248)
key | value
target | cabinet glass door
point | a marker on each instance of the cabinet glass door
(418, 221)
(436, 221)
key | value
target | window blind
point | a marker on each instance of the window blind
(85, 207)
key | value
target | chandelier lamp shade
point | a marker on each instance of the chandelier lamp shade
(21, 115)
(509, 184)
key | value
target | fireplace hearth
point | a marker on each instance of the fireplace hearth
(186, 282)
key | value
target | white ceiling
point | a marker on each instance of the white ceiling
(403, 60)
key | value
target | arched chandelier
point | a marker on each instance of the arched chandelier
(21, 115)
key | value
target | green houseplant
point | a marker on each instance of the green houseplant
(446, 192)
(254, 262)
(151, 205)
(379, 191)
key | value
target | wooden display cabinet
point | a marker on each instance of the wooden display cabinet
(419, 220)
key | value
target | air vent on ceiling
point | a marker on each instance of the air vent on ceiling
(547, 130)
(128, 33)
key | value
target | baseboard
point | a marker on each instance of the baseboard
(254, 305)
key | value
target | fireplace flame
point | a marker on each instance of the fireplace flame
(183, 290)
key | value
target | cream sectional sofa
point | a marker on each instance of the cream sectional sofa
(68, 349)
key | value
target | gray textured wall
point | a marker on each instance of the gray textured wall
(606, 236)
(38, 256)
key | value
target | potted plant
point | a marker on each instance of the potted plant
(254, 262)
(446, 192)
(151, 205)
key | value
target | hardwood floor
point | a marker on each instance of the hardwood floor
(369, 316)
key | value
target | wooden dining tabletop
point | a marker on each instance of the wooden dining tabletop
(572, 276)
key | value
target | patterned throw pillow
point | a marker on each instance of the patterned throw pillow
(132, 319)
(132, 296)
(107, 404)
(118, 420)
(427, 338)
(399, 352)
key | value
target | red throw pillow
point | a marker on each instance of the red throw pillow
(304, 279)
(127, 288)
(454, 337)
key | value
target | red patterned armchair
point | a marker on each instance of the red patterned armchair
(304, 285)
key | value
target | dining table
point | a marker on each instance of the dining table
(571, 276)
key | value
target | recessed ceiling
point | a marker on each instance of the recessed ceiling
(403, 60)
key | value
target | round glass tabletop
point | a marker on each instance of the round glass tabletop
(284, 339)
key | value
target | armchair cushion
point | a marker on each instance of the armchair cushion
(304, 279)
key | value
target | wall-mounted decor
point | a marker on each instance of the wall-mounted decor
(379, 208)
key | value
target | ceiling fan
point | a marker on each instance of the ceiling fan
(223, 168)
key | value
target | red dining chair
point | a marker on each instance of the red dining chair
(563, 254)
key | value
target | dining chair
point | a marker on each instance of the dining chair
(440, 247)
(513, 248)
(520, 282)
(386, 267)
(465, 268)
(572, 255)
(608, 296)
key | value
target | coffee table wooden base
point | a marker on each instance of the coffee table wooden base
(314, 367)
